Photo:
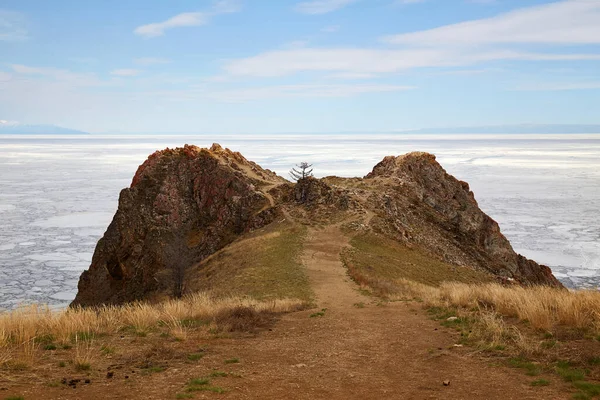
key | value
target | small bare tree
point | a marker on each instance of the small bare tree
(301, 171)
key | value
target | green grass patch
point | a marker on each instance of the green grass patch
(589, 388)
(540, 382)
(530, 368)
(193, 323)
(50, 346)
(218, 374)
(593, 361)
(549, 344)
(84, 336)
(106, 350)
(202, 385)
(359, 305)
(376, 259)
(45, 339)
(195, 356)
(82, 366)
(581, 396)
(568, 373)
(264, 265)
(14, 398)
(153, 370)
(232, 361)
(199, 382)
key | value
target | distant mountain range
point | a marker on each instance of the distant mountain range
(11, 128)
(514, 129)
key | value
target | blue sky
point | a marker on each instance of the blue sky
(243, 66)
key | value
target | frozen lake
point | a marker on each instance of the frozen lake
(58, 194)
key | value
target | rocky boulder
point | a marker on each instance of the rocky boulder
(183, 205)
(423, 204)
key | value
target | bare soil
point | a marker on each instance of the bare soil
(352, 346)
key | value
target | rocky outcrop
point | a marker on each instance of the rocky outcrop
(313, 192)
(183, 205)
(420, 203)
(186, 204)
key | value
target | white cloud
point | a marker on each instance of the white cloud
(558, 86)
(563, 22)
(125, 72)
(226, 6)
(457, 45)
(180, 20)
(330, 28)
(83, 60)
(151, 61)
(59, 75)
(403, 2)
(187, 19)
(12, 26)
(353, 75)
(284, 91)
(5, 76)
(370, 61)
(4, 122)
(321, 6)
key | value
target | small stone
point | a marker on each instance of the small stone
(452, 319)
(300, 365)
(446, 383)
(109, 374)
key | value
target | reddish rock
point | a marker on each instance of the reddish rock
(187, 203)
(183, 205)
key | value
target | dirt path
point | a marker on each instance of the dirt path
(370, 352)
(358, 349)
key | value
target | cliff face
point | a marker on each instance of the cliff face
(423, 204)
(185, 204)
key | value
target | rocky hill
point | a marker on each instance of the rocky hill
(186, 206)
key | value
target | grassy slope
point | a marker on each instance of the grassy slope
(554, 330)
(264, 265)
(377, 257)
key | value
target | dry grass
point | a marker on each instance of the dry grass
(544, 308)
(377, 261)
(263, 265)
(23, 331)
(84, 354)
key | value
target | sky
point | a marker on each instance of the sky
(271, 66)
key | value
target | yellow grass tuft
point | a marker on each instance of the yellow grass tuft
(24, 330)
(543, 307)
